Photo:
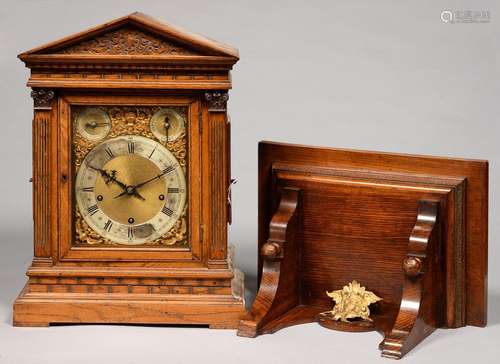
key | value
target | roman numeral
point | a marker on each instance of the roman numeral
(108, 225)
(92, 209)
(151, 153)
(173, 190)
(109, 152)
(168, 169)
(167, 211)
(88, 189)
(131, 147)
(130, 232)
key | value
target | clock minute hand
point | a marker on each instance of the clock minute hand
(148, 181)
(164, 172)
(132, 190)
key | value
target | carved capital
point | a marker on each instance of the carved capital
(42, 98)
(217, 101)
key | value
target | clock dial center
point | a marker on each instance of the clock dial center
(131, 170)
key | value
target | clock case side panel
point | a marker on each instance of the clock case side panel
(217, 179)
(44, 140)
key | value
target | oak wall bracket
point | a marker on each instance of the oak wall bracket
(411, 229)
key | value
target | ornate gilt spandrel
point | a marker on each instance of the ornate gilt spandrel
(129, 120)
(351, 302)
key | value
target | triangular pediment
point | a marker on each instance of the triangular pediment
(128, 40)
(134, 35)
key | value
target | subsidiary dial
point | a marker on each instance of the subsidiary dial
(93, 124)
(167, 124)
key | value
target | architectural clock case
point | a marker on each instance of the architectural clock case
(131, 178)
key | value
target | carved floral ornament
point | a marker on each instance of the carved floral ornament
(127, 41)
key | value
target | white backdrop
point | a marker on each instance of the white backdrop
(385, 75)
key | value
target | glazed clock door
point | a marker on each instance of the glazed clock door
(132, 178)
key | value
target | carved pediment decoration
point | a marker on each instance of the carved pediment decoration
(135, 51)
(127, 41)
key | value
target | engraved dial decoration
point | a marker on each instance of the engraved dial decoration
(167, 124)
(93, 124)
(130, 189)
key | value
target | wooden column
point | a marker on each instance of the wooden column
(218, 151)
(43, 101)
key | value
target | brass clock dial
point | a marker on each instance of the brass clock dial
(167, 124)
(130, 189)
(93, 124)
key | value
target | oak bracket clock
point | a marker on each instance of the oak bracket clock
(131, 178)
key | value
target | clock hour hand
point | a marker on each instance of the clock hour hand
(111, 177)
(94, 124)
(108, 176)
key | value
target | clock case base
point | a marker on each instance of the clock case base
(216, 311)
(53, 298)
